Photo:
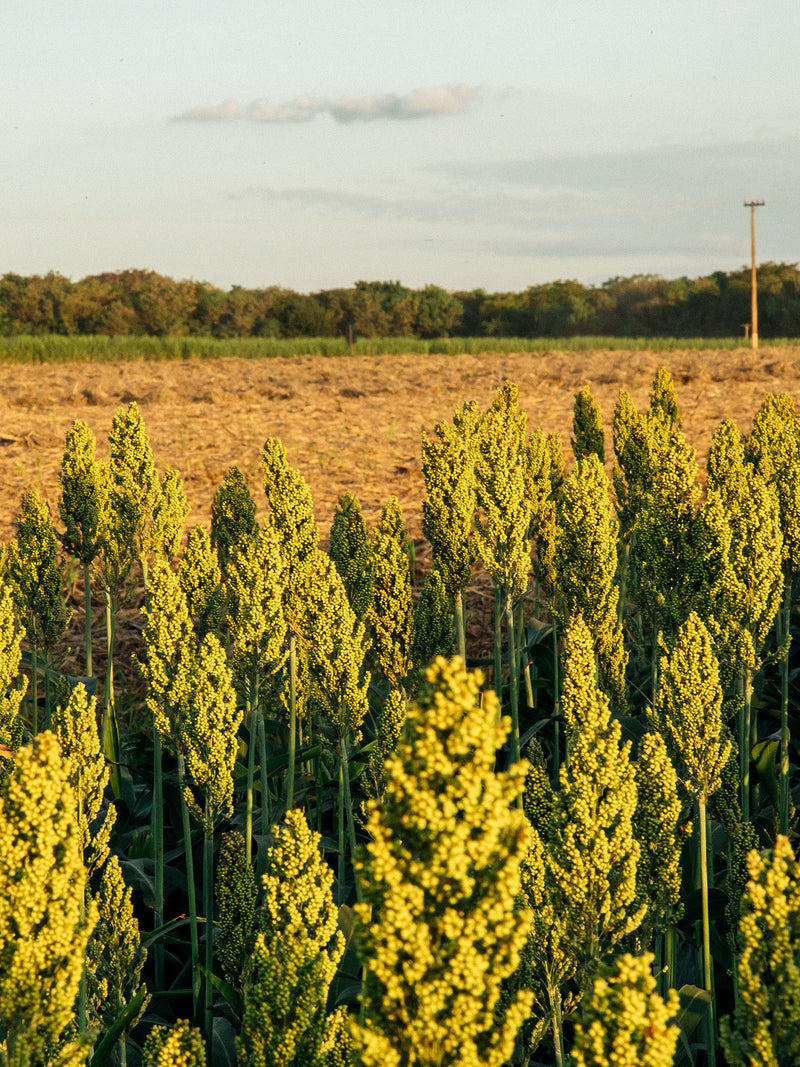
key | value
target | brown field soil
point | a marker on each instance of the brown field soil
(351, 423)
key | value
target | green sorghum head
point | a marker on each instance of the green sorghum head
(441, 875)
(12, 686)
(351, 551)
(587, 426)
(391, 614)
(83, 489)
(181, 1045)
(233, 514)
(200, 579)
(657, 827)
(235, 897)
(115, 955)
(663, 401)
(500, 469)
(43, 933)
(773, 449)
(765, 1028)
(37, 574)
(334, 641)
(688, 709)
(291, 514)
(256, 621)
(75, 726)
(433, 625)
(592, 852)
(448, 511)
(623, 1021)
(297, 949)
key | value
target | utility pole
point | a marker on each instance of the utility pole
(753, 204)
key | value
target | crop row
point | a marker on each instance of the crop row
(313, 833)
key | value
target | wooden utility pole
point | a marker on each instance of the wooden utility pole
(753, 204)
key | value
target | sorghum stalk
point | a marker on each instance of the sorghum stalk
(448, 512)
(190, 884)
(292, 720)
(708, 974)
(501, 472)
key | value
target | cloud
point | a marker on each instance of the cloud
(417, 104)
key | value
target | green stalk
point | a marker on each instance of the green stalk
(208, 912)
(292, 721)
(157, 824)
(342, 842)
(556, 704)
(670, 950)
(251, 764)
(344, 760)
(109, 730)
(47, 692)
(190, 886)
(87, 600)
(513, 678)
(498, 645)
(461, 635)
(747, 687)
(35, 690)
(558, 1023)
(262, 755)
(785, 623)
(522, 643)
(708, 984)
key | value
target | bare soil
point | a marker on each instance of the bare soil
(350, 423)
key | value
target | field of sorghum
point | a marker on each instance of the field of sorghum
(323, 837)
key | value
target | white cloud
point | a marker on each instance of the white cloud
(416, 104)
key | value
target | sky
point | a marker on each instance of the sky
(492, 144)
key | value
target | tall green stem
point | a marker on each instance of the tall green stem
(708, 983)
(522, 644)
(340, 867)
(461, 634)
(513, 678)
(558, 1023)
(190, 886)
(157, 825)
(87, 600)
(252, 741)
(785, 623)
(292, 721)
(34, 691)
(109, 731)
(208, 912)
(744, 741)
(344, 780)
(498, 644)
(556, 703)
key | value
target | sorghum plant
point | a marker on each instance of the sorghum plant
(624, 1022)
(43, 927)
(297, 948)
(502, 532)
(765, 1029)
(587, 426)
(441, 873)
(350, 550)
(81, 506)
(233, 514)
(37, 587)
(448, 512)
(391, 614)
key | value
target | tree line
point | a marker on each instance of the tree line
(143, 302)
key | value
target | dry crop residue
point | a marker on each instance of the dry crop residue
(348, 424)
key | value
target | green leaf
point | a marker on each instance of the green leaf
(765, 755)
(233, 997)
(695, 1004)
(118, 1027)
